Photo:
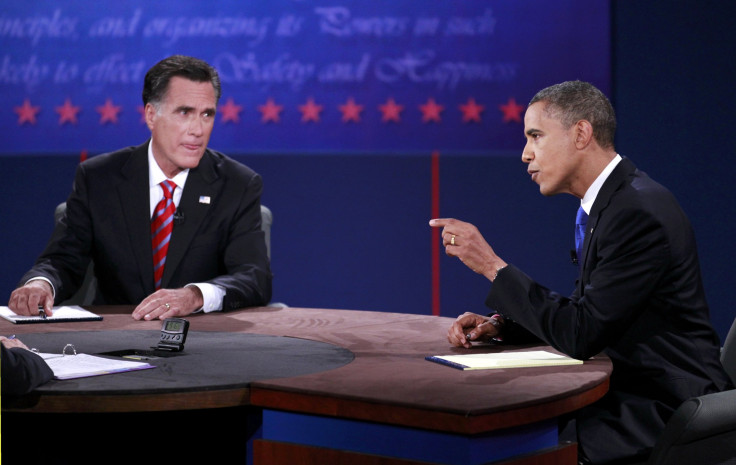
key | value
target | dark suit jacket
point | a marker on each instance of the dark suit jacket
(22, 371)
(640, 300)
(218, 240)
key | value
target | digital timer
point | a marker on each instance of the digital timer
(173, 334)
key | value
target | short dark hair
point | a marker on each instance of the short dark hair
(156, 82)
(572, 101)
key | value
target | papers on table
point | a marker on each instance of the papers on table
(83, 365)
(533, 358)
(60, 315)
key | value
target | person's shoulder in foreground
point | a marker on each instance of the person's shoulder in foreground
(22, 371)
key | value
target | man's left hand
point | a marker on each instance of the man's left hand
(167, 303)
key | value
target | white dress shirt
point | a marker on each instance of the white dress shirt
(211, 293)
(589, 198)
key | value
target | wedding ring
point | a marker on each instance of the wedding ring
(452, 240)
(168, 307)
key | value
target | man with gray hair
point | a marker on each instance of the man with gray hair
(171, 226)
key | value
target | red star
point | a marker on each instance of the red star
(109, 112)
(351, 111)
(391, 111)
(270, 111)
(431, 111)
(471, 111)
(511, 111)
(310, 111)
(68, 112)
(27, 112)
(230, 111)
(142, 110)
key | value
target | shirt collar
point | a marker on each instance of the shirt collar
(592, 192)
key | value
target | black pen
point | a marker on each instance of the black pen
(41, 312)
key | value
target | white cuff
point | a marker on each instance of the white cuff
(212, 296)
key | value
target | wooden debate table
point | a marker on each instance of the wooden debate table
(294, 385)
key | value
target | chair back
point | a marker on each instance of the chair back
(728, 353)
(702, 431)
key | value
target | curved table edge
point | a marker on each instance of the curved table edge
(315, 404)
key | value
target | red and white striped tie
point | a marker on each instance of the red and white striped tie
(161, 226)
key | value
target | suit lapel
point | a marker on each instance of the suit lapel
(199, 195)
(603, 199)
(133, 194)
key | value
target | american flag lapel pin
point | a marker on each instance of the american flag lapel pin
(205, 199)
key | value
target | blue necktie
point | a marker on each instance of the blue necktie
(581, 220)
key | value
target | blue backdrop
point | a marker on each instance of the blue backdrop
(312, 76)
(352, 192)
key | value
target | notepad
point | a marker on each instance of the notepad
(60, 315)
(533, 358)
(83, 365)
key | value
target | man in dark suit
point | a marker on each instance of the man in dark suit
(214, 258)
(639, 297)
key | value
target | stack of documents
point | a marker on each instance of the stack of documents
(83, 365)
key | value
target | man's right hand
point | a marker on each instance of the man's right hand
(27, 299)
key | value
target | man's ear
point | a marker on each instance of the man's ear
(149, 112)
(583, 134)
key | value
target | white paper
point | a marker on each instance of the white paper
(59, 313)
(83, 365)
(508, 359)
